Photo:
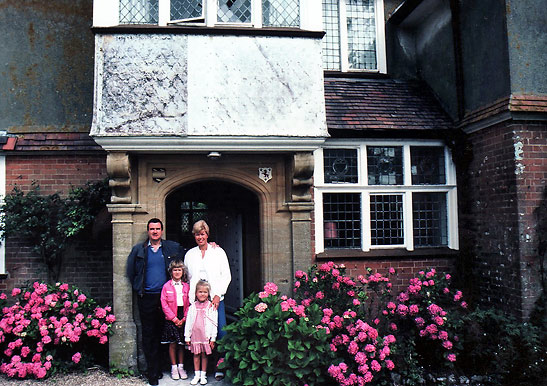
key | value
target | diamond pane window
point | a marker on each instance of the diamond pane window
(186, 9)
(340, 165)
(138, 12)
(429, 219)
(386, 219)
(331, 40)
(385, 165)
(427, 165)
(342, 220)
(361, 26)
(234, 11)
(281, 13)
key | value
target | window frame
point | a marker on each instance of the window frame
(366, 190)
(381, 62)
(106, 13)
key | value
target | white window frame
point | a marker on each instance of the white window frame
(381, 62)
(106, 14)
(366, 191)
(2, 195)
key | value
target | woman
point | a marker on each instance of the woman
(210, 264)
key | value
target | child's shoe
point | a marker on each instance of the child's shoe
(175, 372)
(203, 379)
(182, 372)
(195, 380)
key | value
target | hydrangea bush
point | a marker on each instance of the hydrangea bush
(344, 331)
(48, 328)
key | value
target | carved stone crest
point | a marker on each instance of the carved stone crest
(265, 174)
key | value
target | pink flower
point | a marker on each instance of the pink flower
(446, 291)
(393, 327)
(451, 357)
(319, 295)
(3, 296)
(458, 296)
(16, 291)
(270, 288)
(261, 307)
(110, 318)
(374, 365)
(356, 302)
(353, 347)
(464, 304)
(263, 294)
(297, 284)
(447, 344)
(290, 320)
(76, 357)
(391, 270)
(389, 364)
(63, 287)
(82, 298)
(100, 312)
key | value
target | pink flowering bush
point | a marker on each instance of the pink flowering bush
(344, 331)
(427, 318)
(49, 328)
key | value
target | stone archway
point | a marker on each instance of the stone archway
(232, 213)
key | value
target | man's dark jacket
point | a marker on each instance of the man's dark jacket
(138, 258)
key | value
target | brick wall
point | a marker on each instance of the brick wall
(405, 268)
(504, 185)
(88, 262)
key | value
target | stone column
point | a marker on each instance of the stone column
(301, 207)
(123, 343)
(301, 236)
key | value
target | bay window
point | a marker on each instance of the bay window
(256, 13)
(377, 195)
(354, 39)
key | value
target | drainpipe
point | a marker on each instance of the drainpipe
(458, 56)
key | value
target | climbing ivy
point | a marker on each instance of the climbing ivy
(50, 222)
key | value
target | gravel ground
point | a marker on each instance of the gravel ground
(99, 377)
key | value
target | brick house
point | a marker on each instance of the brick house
(411, 135)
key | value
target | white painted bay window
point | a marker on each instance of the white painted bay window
(354, 35)
(376, 195)
(253, 13)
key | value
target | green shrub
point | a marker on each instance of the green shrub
(275, 342)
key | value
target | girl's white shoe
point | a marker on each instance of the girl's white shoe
(195, 380)
(203, 380)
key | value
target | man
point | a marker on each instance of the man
(147, 266)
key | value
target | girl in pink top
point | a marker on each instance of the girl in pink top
(201, 330)
(175, 304)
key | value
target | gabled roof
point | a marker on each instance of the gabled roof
(357, 107)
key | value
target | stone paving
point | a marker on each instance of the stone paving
(167, 381)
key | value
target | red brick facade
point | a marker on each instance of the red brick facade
(88, 263)
(503, 193)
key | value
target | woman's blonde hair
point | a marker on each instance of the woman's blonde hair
(199, 226)
(178, 263)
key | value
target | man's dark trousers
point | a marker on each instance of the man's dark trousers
(152, 324)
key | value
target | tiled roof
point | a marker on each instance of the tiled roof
(55, 142)
(380, 105)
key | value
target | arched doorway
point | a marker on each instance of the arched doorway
(232, 213)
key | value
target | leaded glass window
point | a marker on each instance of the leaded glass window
(385, 165)
(281, 13)
(429, 216)
(340, 165)
(234, 11)
(427, 165)
(388, 194)
(342, 220)
(386, 219)
(361, 27)
(186, 9)
(138, 12)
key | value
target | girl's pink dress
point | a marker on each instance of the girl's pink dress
(199, 341)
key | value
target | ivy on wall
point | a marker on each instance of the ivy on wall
(50, 222)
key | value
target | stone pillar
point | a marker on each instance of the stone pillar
(123, 343)
(301, 236)
(301, 208)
